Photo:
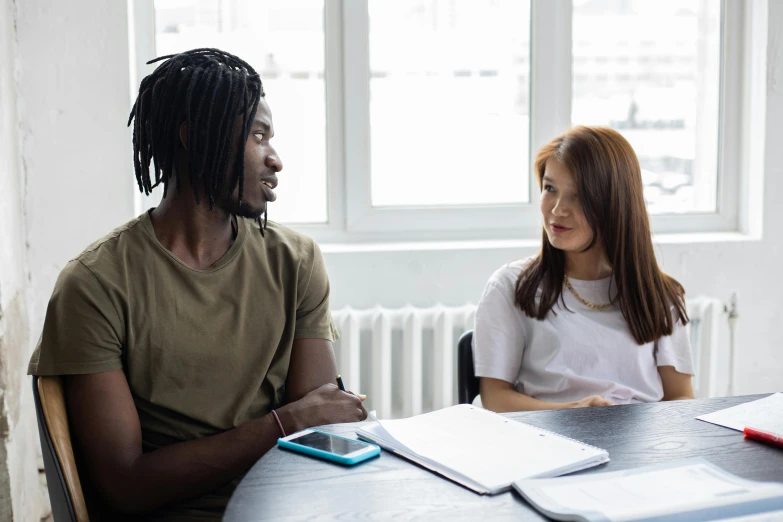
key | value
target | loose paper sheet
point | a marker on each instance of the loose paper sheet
(764, 414)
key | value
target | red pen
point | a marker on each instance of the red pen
(753, 433)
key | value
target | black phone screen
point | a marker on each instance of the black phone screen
(325, 442)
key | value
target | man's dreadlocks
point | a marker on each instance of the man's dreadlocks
(207, 88)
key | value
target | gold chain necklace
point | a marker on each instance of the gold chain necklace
(588, 304)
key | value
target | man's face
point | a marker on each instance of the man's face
(260, 167)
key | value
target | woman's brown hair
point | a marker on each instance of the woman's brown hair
(609, 184)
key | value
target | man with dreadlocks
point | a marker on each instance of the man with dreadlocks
(195, 335)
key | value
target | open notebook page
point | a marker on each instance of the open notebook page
(489, 448)
(377, 434)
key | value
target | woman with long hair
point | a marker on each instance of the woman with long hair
(591, 320)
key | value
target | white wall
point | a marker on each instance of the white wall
(74, 104)
(70, 185)
(21, 496)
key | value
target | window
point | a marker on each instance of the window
(449, 109)
(669, 113)
(419, 119)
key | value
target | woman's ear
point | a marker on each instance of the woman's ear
(183, 135)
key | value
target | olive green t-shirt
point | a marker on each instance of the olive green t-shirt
(204, 351)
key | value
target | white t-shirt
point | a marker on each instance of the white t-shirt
(577, 352)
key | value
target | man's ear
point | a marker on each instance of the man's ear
(183, 135)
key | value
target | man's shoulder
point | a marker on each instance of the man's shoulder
(101, 261)
(281, 239)
(110, 246)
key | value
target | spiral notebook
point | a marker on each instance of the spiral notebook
(482, 450)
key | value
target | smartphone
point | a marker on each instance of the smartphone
(327, 446)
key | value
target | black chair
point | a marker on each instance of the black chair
(467, 382)
(62, 477)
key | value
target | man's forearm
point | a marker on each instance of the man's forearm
(193, 468)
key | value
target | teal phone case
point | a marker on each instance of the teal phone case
(340, 459)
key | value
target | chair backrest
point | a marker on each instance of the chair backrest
(467, 382)
(62, 477)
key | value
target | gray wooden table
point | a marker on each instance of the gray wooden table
(288, 486)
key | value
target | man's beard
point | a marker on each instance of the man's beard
(242, 209)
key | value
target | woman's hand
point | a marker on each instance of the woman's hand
(592, 400)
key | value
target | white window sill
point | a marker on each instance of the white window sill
(705, 237)
(499, 244)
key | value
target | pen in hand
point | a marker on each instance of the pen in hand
(361, 396)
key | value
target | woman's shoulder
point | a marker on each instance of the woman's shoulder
(507, 275)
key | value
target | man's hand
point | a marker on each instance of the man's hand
(592, 400)
(324, 405)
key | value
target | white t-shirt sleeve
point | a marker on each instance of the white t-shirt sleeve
(498, 336)
(675, 350)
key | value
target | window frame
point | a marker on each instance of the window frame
(350, 215)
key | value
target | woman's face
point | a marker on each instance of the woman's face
(564, 221)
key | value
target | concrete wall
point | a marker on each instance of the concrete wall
(21, 496)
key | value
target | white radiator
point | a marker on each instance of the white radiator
(393, 354)
(710, 357)
(442, 326)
